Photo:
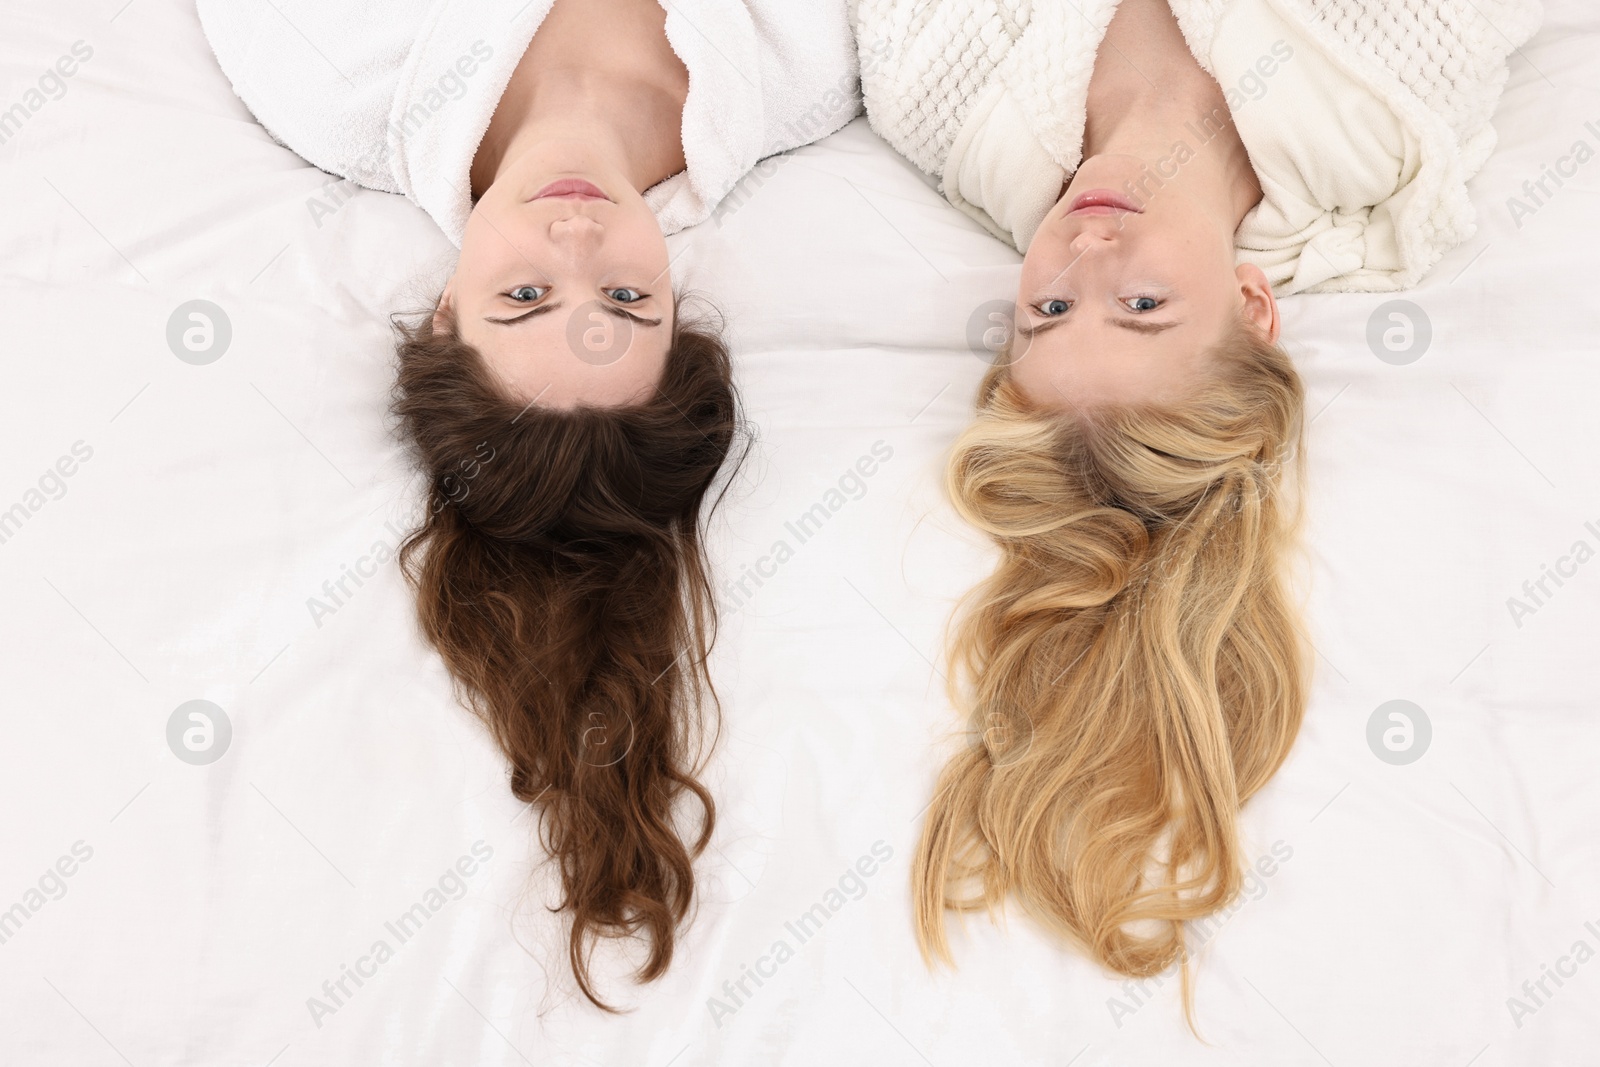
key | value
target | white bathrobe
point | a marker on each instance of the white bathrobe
(1363, 118)
(396, 95)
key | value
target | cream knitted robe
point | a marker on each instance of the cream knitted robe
(396, 94)
(1363, 118)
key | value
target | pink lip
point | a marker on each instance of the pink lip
(571, 189)
(1102, 202)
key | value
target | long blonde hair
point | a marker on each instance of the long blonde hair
(1134, 666)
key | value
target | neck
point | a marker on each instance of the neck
(602, 75)
(1148, 95)
(1196, 139)
(634, 130)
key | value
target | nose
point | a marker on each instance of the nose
(577, 232)
(1089, 241)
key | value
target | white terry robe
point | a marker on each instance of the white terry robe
(396, 95)
(1363, 119)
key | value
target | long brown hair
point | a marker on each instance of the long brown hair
(1136, 669)
(560, 573)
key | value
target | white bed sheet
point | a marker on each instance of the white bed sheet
(176, 563)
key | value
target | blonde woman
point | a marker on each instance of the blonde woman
(1134, 665)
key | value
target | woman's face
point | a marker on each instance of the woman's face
(1121, 294)
(562, 283)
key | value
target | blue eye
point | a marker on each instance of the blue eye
(524, 294)
(1143, 303)
(626, 296)
(1052, 308)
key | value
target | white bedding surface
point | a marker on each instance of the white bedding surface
(176, 562)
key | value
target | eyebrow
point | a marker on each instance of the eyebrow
(543, 308)
(1148, 328)
(540, 310)
(619, 313)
